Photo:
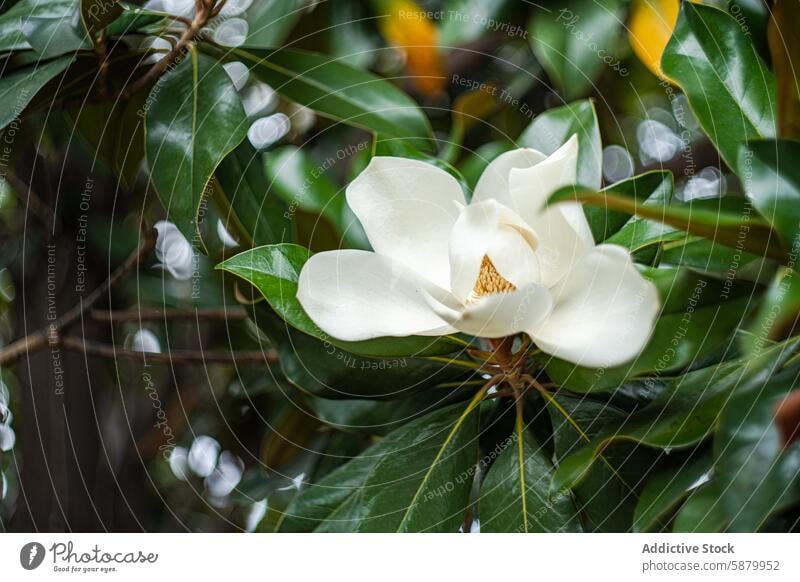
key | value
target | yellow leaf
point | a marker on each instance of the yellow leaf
(650, 27)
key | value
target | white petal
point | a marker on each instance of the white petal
(488, 228)
(564, 234)
(356, 295)
(407, 209)
(493, 183)
(501, 314)
(604, 311)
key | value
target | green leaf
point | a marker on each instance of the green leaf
(728, 221)
(12, 37)
(606, 495)
(17, 89)
(194, 120)
(681, 416)
(338, 90)
(550, 130)
(418, 478)
(274, 271)
(242, 186)
(730, 90)
(665, 490)
(56, 32)
(271, 21)
(757, 476)
(516, 497)
(777, 316)
(702, 512)
(568, 40)
(465, 21)
(651, 189)
(771, 179)
(98, 14)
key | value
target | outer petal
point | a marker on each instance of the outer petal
(604, 311)
(501, 314)
(407, 209)
(489, 228)
(356, 295)
(493, 183)
(564, 234)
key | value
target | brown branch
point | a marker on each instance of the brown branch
(211, 314)
(32, 201)
(91, 348)
(50, 334)
(203, 12)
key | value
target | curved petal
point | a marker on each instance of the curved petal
(501, 314)
(564, 234)
(493, 183)
(356, 295)
(407, 209)
(488, 228)
(604, 311)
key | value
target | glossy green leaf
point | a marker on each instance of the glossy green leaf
(12, 36)
(607, 494)
(516, 496)
(194, 119)
(666, 489)
(464, 21)
(702, 512)
(551, 129)
(777, 316)
(683, 415)
(418, 478)
(56, 32)
(274, 271)
(256, 212)
(757, 476)
(650, 189)
(771, 179)
(338, 90)
(270, 22)
(728, 221)
(17, 89)
(730, 90)
(576, 42)
(98, 14)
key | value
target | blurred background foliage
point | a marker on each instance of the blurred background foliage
(182, 400)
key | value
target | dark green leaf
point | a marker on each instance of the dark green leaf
(771, 178)
(18, 88)
(651, 189)
(516, 497)
(243, 186)
(11, 34)
(194, 119)
(568, 40)
(271, 21)
(338, 90)
(418, 478)
(702, 512)
(98, 14)
(731, 91)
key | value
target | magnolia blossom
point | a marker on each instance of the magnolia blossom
(501, 265)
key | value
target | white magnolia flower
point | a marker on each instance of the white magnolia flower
(501, 265)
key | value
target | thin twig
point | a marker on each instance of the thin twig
(50, 334)
(92, 348)
(215, 314)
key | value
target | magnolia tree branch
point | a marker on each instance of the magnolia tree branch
(91, 348)
(50, 334)
(205, 10)
(210, 314)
